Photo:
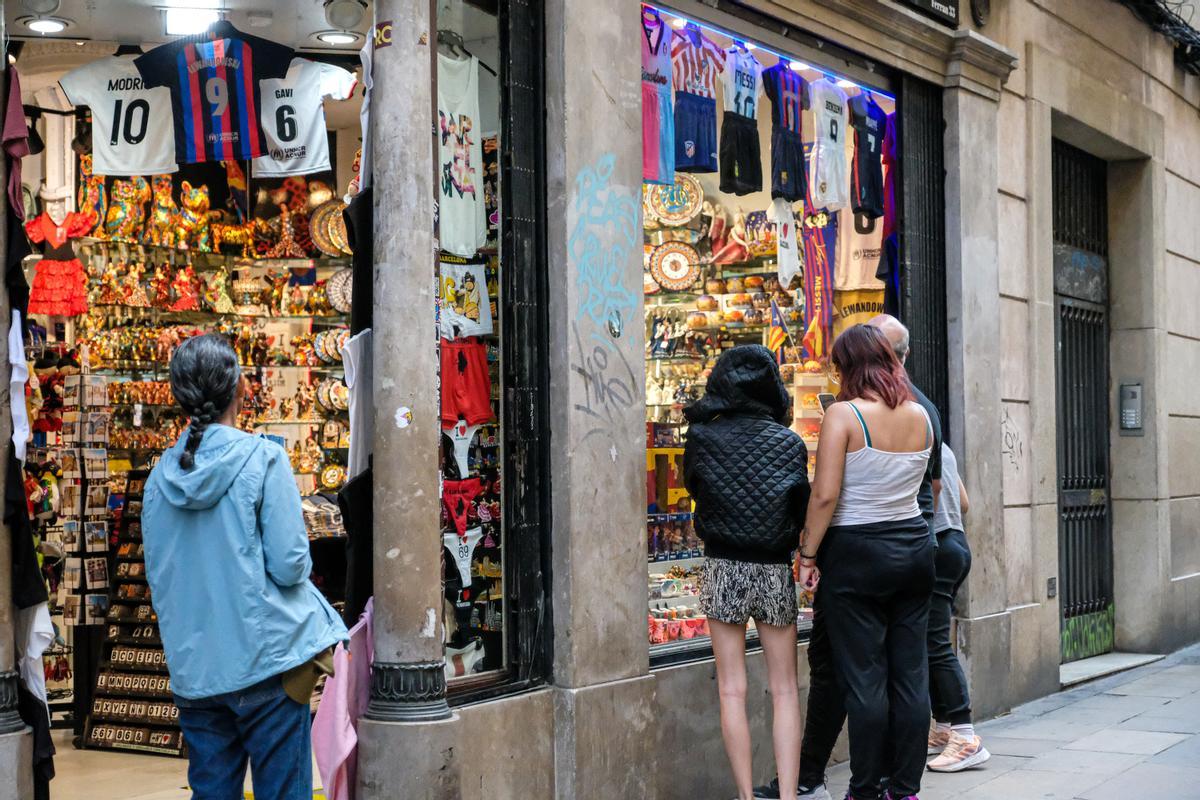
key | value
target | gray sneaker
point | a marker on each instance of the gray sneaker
(771, 792)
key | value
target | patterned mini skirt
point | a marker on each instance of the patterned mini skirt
(735, 591)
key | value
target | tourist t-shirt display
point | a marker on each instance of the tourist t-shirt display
(859, 248)
(658, 115)
(785, 89)
(742, 81)
(215, 91)
(466, 308)
(697, 61)
(828, 181)
(293, 116)
(132, 128)
(463, 226)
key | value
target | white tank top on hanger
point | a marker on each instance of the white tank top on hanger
(463, 220)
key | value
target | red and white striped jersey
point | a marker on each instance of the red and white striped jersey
(698, 61)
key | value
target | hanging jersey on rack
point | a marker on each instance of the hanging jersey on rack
(658, 116)
(132, 130)
(463, 219)
(698, 62)
(293, 117)
(828, 180)
(785, 89)
(869, 122)
(215, 91)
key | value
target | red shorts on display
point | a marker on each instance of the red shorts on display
(466, 384)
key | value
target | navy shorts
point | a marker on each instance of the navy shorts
(695, 133)
(788, 176)
(741, 155)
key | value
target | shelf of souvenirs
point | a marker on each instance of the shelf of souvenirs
(200, 316)
(209, 257)
(119, 365)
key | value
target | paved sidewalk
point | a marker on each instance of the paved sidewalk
(1126, 737)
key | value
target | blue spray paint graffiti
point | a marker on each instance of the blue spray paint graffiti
(601, 244)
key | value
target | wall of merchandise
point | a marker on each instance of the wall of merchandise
(203, 203)
(769, 218)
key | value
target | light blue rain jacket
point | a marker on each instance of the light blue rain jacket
(228, 563)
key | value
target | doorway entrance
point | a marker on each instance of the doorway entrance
(1082, 359)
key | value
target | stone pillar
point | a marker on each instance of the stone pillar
(16, 744)
(408, 711)
(976, 71)
(604, 694)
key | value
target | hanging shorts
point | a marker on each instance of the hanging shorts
(466, 384)
(788, 175)
(695, 133)
(741, 155)
(658, 136)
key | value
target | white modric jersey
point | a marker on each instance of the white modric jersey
(829, 180)
(293, 118)
(132, 128)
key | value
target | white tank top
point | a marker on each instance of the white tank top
(879, 485)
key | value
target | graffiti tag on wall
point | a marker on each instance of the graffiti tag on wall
(1012, 447)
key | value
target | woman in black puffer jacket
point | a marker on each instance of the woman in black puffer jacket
(748, 475)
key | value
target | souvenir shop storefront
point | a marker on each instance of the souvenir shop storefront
(149, 204)
(542, 301)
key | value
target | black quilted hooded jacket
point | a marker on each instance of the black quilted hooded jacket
(745, 469)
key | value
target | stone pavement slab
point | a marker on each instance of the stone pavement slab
(1148, 781)
(1115, 740)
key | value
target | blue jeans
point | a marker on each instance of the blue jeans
(259, 723)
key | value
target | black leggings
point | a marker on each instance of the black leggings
(948, 692)
(876, 586)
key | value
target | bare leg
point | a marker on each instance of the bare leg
(729, 648)
(779, 647)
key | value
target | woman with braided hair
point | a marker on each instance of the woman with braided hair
(227, 558)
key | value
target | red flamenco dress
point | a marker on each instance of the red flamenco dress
(60, 285)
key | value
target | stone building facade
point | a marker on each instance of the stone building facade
(599, 721)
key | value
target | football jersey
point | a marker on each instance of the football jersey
(132, 131)
(828, 181)
(214, 87)
(742, 82)
(785, 89)
(869, 122)
(859, 248)
(697, 61)
(293, 117)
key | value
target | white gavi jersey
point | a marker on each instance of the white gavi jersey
(293, 118)
(132, 128)
(829, 179)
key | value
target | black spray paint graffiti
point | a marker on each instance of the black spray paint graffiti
(1012, 447)
(609, 386)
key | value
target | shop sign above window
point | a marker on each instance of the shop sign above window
(942, 10)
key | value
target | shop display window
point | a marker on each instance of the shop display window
(769, 218)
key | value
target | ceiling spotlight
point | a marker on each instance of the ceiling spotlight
(46, 24)
(345, 14)
(751, 46)
(846, 84)
(338, 38)
(679, 22)
(799, 66)
(189, 21)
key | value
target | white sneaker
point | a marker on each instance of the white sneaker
(818, 792)
(961, 753)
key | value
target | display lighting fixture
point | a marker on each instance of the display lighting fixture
(847, 84)
(338, 38)
(189, 21)
(798, 66)
(345, 14)
(46, 24)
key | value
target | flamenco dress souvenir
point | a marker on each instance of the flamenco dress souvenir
(60, 282)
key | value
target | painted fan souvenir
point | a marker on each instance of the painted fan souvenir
(675, 266)
(676, 205)
(338, 289)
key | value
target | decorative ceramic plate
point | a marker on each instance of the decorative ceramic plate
(649, 285)
(336, 224)
(676, 205)
(339, 289)
(340, 395)
(318, 229)
(675, 266)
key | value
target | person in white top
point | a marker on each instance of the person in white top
(868, 547)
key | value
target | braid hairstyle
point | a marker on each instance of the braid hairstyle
(204, 378)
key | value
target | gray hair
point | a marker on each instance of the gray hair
(896, 333)
(204, 378)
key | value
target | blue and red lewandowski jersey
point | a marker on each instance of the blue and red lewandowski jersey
(214, 91)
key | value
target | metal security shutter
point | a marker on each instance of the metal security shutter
(922, 209)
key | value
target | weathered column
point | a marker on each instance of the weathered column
(977, 69)
(408, 710)
(604, 695)
(16, 744)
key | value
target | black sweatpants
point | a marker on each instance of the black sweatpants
(826, 710)
(948, 693)
(876, 592)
